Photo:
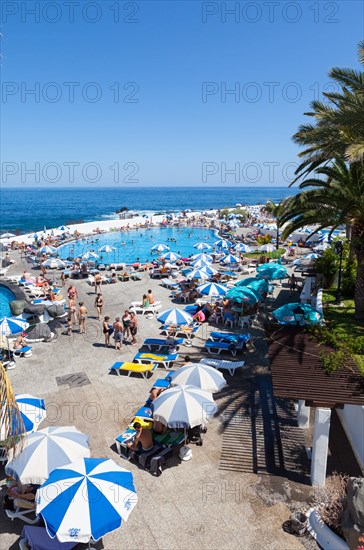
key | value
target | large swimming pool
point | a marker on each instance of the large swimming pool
(6, 296)
(135, 245)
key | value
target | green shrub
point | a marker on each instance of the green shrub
(327, 265)
(349, 277)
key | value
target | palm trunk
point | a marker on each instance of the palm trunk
(357, 239)
(277, 244)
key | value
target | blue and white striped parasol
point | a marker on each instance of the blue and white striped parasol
(45, 450)
(184, 407)
(267, 247)
(32, 412)
(12, 325)
(48, 250)
(86, 499)
(202, 246)
(241, 247)
(200, 263)
(204, 257)
(54, 263)
(64, 228)
(202, 273)
(230, 259)
(212, 289)
(222, 243)
(170, 256)
(199, 375)
(159, 247)
(175, 316)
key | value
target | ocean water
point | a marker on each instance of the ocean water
(24, 210)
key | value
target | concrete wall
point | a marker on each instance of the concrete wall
(352, 419)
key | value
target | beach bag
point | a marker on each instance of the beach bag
(111, 330)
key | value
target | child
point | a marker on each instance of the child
(69, 325)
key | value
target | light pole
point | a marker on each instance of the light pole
(339, 250)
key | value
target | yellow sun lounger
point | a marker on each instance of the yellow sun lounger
(164, 360)
(133, 367)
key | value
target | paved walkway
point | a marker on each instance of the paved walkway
(195, 504)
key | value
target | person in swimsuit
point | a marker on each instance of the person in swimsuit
(82, 315)
(126, 324)
(98, 287)
(106, 330)
(69, 325)
(145, 301)
(143, 441)
(133, 327)
(72, 308)
(150, 297)
(72, 292)
(99, 302)
(118, 333)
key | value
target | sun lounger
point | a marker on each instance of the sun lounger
(229, 337)
(23, 514)
(230, 366)
(164, 360)
(34, 537)
(25, 351)
(186, 330)
(128, 367)
(165, 382)
(216, 348)
(160, 343)
(144, 310)
(169, 283)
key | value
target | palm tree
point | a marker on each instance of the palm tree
(338, 129)
(276, 210)
(11, 423)
(336, 200)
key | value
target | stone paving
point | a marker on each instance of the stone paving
(193, 504)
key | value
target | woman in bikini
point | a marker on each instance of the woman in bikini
(72, 309)
(99, 302)
(98, 280)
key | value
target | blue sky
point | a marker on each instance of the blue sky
(172, 123)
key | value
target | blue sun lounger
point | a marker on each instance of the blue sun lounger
(164, 360)
(229, 337)
(160, 343)
(216, 348)
(25, 351)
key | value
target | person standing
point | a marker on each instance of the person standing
(82, 315)
(292, 284)
(133, 327)
(72, 310)
(98, 280)
(126, 324)
(99, 302)
(118, 333)
(72, 292)
(107, 330)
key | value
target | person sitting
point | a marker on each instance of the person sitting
(159, 428)
(150, 297)
(199, 316)
(20, 342)
(22, 495)
(145, 301)
(143, 441)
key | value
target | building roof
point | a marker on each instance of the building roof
(297, 372)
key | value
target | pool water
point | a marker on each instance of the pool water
(135, 245)
(6, 296)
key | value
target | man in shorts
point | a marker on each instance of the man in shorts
(143, 441)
